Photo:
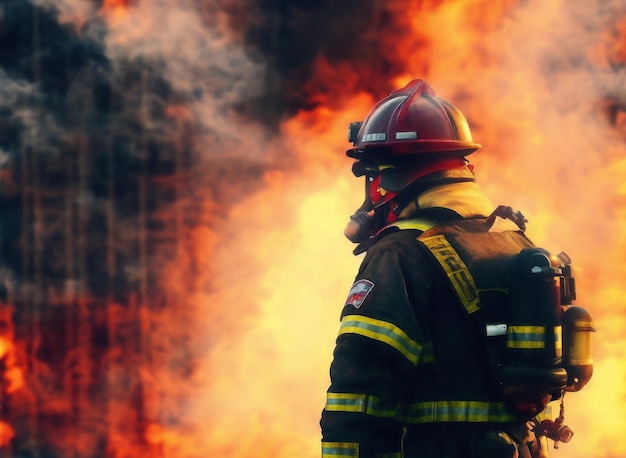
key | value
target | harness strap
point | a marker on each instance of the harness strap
(456, 270)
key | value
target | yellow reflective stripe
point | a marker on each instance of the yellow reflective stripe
(425, 412)
(344, 449)
(419, 224)
(379, 408)
(558, 340)
(530, 337)
(362, 403)
(458, 273)
(457, 411)
(533, 337)
(384, 332)
(345, 402)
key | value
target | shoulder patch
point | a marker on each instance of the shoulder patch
(359, 292)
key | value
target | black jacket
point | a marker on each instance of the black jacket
(410, 372)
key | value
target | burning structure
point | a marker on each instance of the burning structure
(161, 243)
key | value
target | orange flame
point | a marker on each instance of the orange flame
(12, 386)
(6, 434)
(115, 10)
(12, 373)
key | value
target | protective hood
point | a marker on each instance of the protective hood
(465, 198)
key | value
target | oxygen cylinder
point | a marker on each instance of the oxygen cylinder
(577, 358)
(534, 331)
(532, 374)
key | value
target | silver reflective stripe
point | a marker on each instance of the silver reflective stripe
(496, 329)
(376, 137)
(406, 135)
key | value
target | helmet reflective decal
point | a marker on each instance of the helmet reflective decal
(359, 292)
(375, 137)
(406, 135)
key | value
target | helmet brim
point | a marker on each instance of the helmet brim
(404, 148)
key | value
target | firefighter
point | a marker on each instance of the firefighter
(410, 375)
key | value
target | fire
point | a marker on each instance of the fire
(545, 151)
(115, 10)
(6, 434)
(214, 312)
(12, 367)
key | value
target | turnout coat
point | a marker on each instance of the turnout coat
(411, 375)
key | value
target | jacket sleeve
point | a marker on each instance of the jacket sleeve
(379, 345)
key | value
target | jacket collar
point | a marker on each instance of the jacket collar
(467, 199)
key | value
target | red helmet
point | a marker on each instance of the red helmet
(411, 121)
(408, 136)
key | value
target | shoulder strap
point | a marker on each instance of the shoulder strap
(420, 224)
(458, 274)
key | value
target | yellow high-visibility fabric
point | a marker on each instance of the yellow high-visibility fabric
(382, 331)
(340, 449)
(456, 270)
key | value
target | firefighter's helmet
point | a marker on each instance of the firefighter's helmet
(409, 136)
(412, 120)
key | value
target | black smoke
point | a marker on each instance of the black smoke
(291, 36)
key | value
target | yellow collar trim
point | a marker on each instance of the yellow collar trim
(465, 198)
